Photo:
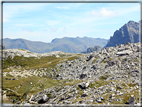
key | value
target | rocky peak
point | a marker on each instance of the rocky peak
(127, 33)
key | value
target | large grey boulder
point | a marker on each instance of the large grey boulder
(122, 53)
(131, 100)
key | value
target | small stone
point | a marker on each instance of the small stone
(119, 87)
(84, 94)
(44, 74)
(99, 100)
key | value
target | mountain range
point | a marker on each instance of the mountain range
(127, 33)
(66, 44)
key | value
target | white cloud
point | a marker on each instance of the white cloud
(103, 12)
(107, 13)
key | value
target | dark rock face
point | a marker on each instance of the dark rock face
(127, 33)
(92, 49)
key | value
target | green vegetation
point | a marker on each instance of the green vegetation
(95, 59)
(8, 75)
(73, 82)
(30, 85)
(110, 59)
(124, 60)
(26, 61)
(131, 84)
(33, 62)
(97, 83)
(104, 77)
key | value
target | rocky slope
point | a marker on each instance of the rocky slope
(127, 33)
(110, 76)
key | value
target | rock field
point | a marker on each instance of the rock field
(110, 76)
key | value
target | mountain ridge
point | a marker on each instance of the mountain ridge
(76, 45)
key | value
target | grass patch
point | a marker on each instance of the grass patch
(8, 75)
(95, 59)
(91, 85)
(131, 84)
(124, 60)
(73, 82)
(104, 77)
(27, 61)
(27, 85)
(33, 62)
(72, 58)
(110, 59)
(97, 84)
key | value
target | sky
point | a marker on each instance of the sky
(46, 21)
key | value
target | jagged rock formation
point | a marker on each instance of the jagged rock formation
(111, 76)
(92, 49)
(127, 33)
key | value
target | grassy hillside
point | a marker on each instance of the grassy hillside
(19, 87)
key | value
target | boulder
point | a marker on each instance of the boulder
(99, 100)
(82, 76)
(131, 100)
(90, 57)
(83, 85)
(126, 52)
(94, 67)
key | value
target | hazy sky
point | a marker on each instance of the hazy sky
(46, 21)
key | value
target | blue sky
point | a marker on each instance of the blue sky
(46, 21)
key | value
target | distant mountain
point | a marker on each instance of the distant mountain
(127, 33)
(66, 44)
(92, 49)
(33, 46)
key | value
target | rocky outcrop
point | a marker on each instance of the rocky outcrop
(21, 52)
(127, 33)
(92, 49)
